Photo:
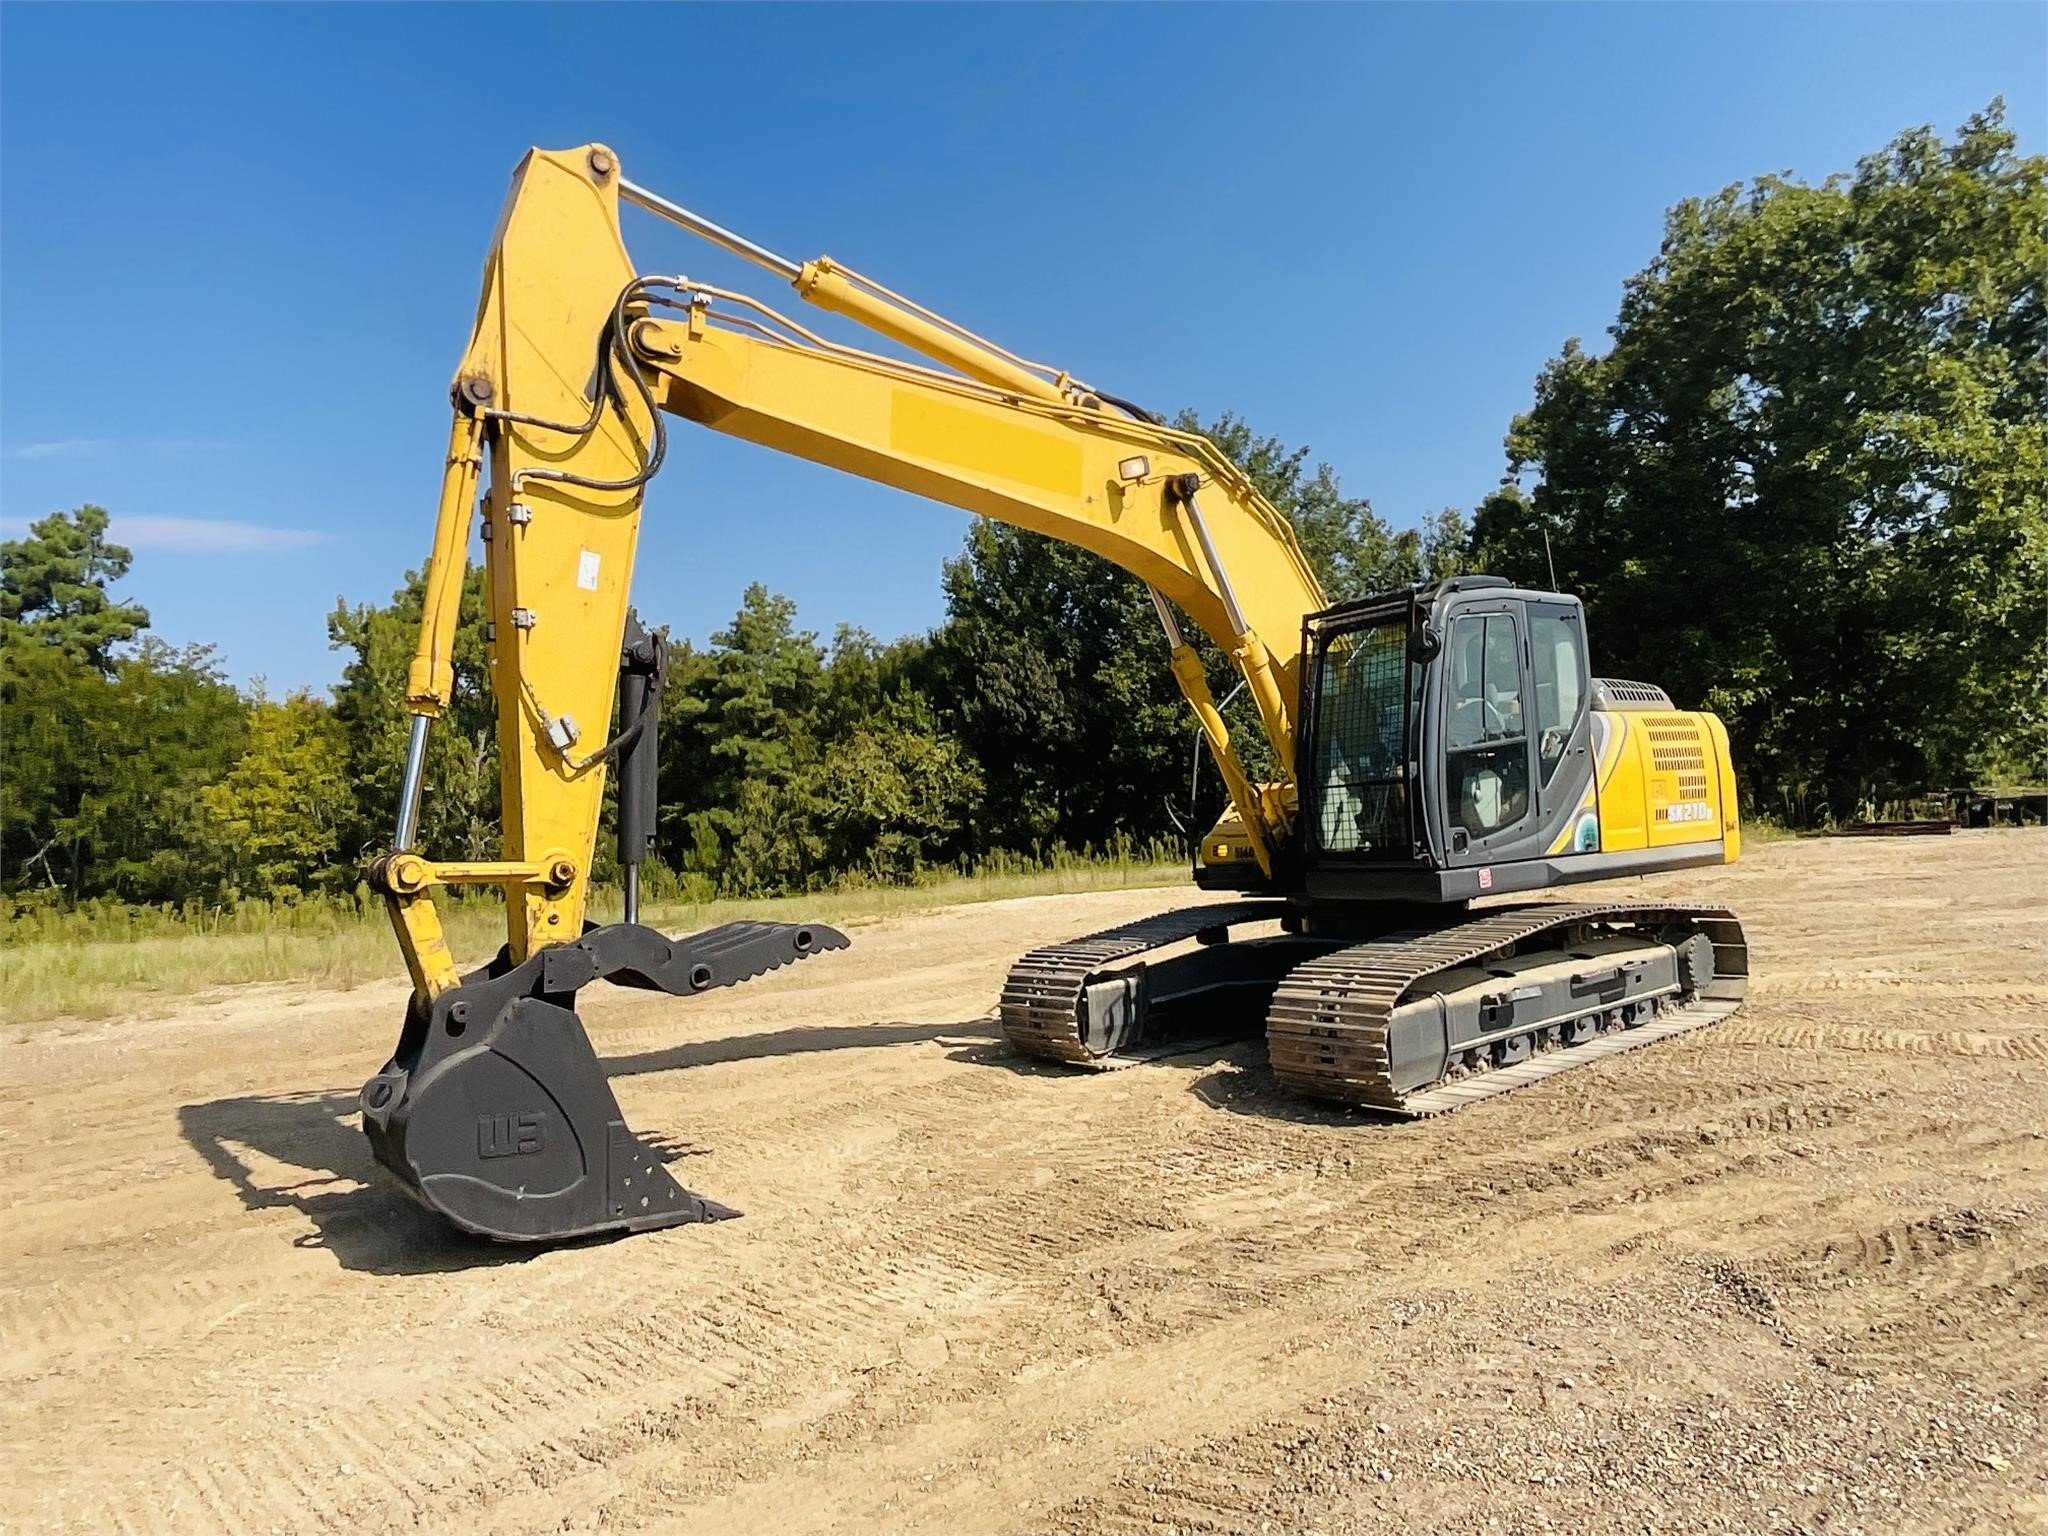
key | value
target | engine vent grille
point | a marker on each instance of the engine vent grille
(1677, 748)
(1613, 694)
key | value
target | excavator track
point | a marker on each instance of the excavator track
(1330, 1030)
(1043, 998)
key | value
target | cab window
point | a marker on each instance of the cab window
(1361, 755)
(1486, 740)
(1557, 647)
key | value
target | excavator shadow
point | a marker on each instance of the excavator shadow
(791, 1042)
(994, 1051)
(1243, 1084)
(981, 1044)
(1237, 1080)
(306, 1152)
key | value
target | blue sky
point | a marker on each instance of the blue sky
(240, 246)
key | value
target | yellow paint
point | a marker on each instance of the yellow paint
(1194, 686)
(420, 939)
(831, 287)
(993, 437)
(431, 678)
(923, 427)
(1651, 793)
(1724, 774)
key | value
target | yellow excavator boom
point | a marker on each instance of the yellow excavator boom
(576, 358)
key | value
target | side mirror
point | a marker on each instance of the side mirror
(1424, 643)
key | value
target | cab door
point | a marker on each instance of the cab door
(1489, 801)
(1567, 796)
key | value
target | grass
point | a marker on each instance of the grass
(107, 961)
(1759, 830)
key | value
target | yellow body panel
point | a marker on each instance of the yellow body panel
(1664, 780)
(1033, 459)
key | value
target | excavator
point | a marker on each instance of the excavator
(1436, 751)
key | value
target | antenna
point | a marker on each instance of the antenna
(1547, 558)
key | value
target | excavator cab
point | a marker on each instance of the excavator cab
(1456, 744)
(1446, 676)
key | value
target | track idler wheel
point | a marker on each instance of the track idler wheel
(495, 1112)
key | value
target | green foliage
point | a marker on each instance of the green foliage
(1350, 547)
(53, 589)
(459, 810)
(102, 773)
(739, 729)
(894, 795)
(1807, 486)
(785, 768)
(279, 815)
(1033, 666)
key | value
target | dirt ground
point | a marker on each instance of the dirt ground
(1786, 1274)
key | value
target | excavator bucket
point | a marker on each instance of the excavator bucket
(495, 1112)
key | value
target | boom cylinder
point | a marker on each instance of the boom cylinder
(704, 229)
(824, 285)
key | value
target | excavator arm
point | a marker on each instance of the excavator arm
(575, 360)
(561, 410)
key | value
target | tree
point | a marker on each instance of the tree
(1350, 547)
(1051, 667)
(894, 794)
(1444, 545)
(738, 726)
(459, 808)
(53, 588)
(100, 775)
(1805, 485)
(47, 698)
(280, 814)
(104, 753)
(1052, 664)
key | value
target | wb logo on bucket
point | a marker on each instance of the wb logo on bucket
(509, 1135)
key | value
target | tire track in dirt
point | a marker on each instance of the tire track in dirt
(1834, 1035)
(973, 1295)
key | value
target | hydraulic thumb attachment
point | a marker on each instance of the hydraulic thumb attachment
(495, 1112)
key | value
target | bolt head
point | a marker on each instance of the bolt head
(601, 163)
